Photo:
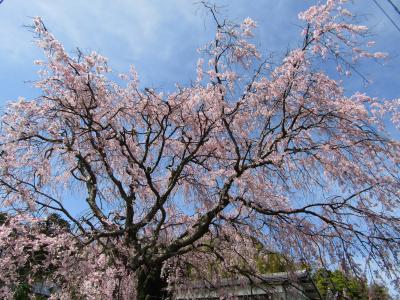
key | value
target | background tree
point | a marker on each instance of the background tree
(251, 153)
(338, 285)
(378, 291)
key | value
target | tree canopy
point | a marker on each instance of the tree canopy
(253, 152)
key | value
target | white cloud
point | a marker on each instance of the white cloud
(158, 36)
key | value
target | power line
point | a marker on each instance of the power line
(387, 16)
(394, 6)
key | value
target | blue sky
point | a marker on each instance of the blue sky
(160, 37)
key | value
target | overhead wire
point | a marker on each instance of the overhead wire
(387, 16)
(394, 6)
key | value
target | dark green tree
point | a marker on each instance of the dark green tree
(339, 286)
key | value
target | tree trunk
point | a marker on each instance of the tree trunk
(150, 285)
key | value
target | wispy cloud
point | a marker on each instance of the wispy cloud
(160, 37)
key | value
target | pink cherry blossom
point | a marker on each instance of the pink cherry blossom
(248, 160)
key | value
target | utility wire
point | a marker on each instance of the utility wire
(394, 6)
(387, 16)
